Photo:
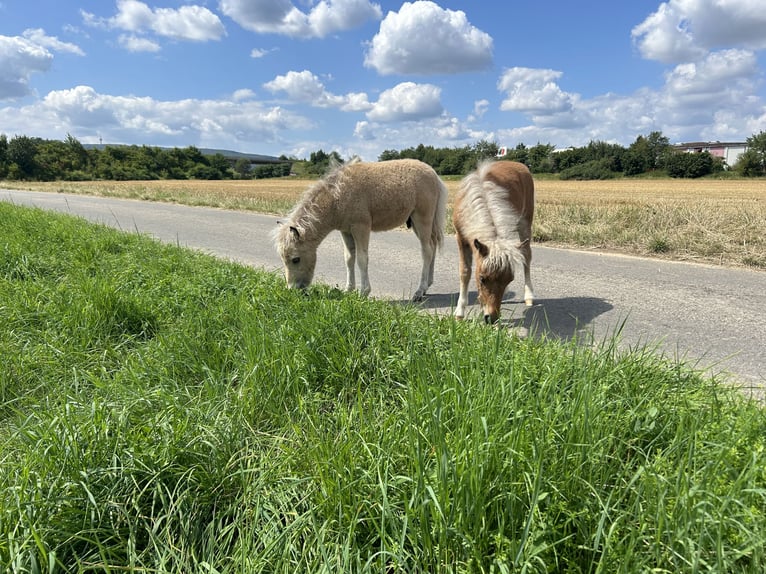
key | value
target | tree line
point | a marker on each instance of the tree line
(28, 158)
(650, 153)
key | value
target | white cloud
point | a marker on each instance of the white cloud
(423, 38)
(480, 108)
(137, 44)
(407, 101)
(189, 22)
(19, 59)
(718, 73)
(713, 98)
(258, 53)
(243, 94)
(22, 56)
(305, 87)
(364, 131)
(533, 90)
(299, 86)
(685, 30)
(39, 37)
(282, 17)
(88, 115)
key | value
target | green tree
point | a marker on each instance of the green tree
(484, 149)
(647, 153)
(540, 160)
(242, 168)
(388, 155)
(682, 164)
(77, 155)
(520, 154)
(753, 161)
(3, 155)
(220, 164)
(320, 161)
(22, 157)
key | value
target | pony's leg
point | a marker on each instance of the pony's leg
(362, 240)
(431, 268)
(426, 275)
(529, 295)
(422, 228)
(465, 263)
(349, 251)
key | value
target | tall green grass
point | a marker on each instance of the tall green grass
(163, 411)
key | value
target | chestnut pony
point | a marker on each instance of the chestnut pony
(492, 215)
(357, 198)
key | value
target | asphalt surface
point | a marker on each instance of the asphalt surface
(710, 318)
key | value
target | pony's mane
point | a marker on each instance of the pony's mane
(305, 215)
(488, 213)
(503, 254)
(492, 219)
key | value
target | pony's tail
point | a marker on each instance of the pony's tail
(440, 216)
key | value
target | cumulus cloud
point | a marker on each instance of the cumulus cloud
(533, 90)
(685, 30)
(213, 123)
(364, 131)
(407, 101)
(423, 38)
(305, 87)
(283, 17)
(189, 22)
(717, 73)
(39, 37)
(712, 98)
(138, 44)
(19, 59)
(22, 56)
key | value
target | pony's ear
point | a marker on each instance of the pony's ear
(481, 248)
(295, 232)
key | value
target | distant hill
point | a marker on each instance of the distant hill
(228, 154)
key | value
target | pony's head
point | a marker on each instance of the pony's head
(298, 256)
(497, 262)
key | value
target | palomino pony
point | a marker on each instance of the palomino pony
(357, 198)
(493, 215)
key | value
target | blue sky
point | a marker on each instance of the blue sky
(359, 77)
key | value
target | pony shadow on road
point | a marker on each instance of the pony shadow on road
(564, 318)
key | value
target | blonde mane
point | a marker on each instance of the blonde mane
(492, 219)
(305, 215)
(489, 214)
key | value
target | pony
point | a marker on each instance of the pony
(492, 215)
(357, 198)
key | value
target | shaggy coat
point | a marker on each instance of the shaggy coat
(493, 213)
(357, 198)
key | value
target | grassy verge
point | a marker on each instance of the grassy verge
(716, 221)
(163, 411)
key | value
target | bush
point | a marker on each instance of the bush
(690, 165)
(594, 169)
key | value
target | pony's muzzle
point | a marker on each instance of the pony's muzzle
(297, 285)
(489, 319)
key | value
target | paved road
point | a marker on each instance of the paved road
(709, 317)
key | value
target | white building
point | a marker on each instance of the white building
(729, 151)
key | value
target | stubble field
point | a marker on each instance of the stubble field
(720, 222)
